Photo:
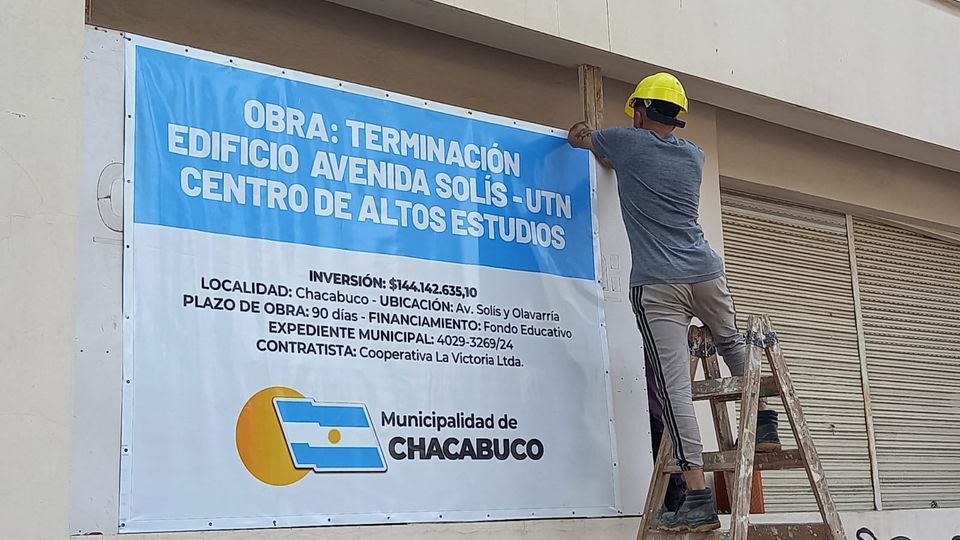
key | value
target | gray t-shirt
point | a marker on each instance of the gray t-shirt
(659, 182)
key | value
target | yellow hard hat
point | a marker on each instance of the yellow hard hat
(662, 86)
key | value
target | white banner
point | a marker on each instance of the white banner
(347, 306)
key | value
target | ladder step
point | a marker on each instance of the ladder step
(759, 531)
(730, 388)
(727, 461)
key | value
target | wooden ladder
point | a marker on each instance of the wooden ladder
(738, 461)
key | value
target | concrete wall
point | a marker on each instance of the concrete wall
(854, 59)
(40, 45)
(827, 68)
(782, 162)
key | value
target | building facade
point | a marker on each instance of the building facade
(831, 186)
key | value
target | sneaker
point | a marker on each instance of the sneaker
(767, 438)
(696, 514)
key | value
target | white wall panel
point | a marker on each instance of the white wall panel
(94, 471)
(96, 449)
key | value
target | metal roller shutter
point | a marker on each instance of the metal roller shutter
(910, 299)
(793, 263)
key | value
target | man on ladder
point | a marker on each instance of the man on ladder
(675, 275)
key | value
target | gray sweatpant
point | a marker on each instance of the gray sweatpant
(664, 312)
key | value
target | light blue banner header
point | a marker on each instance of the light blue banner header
(231, 151)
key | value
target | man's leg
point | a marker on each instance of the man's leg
(713, 304)
(677, 488)
(663, 316)
(663, 321)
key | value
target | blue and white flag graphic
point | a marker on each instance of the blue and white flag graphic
(329, 437)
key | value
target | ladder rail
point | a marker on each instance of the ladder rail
(746, 446)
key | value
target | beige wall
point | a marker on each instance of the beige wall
(322, 38)
(836, 70)
(40, 49)
(778, 161)
(851, 59)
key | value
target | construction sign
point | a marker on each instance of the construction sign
(344, 305)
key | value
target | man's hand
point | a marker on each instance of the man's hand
(580, 136)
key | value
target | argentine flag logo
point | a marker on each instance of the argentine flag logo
(329, 437)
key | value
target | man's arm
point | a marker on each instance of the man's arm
(580, 136)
